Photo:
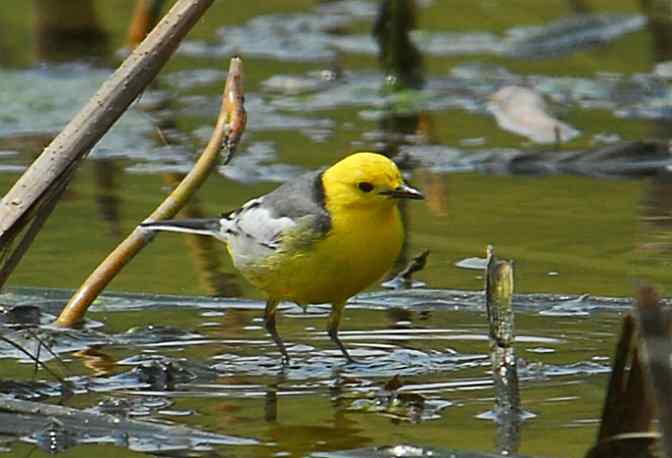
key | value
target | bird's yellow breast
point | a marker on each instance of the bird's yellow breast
(360, 247)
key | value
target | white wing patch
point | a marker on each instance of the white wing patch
(253, 233)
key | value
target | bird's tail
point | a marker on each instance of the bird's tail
(211, 227)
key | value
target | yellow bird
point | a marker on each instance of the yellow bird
(320, 238)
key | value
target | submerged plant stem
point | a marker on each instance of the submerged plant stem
(228, 130)
(34, 358)
(499, 294)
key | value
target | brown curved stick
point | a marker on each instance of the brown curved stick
(228, 130)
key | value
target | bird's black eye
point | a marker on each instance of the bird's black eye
(365, 186)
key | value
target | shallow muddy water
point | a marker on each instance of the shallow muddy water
(184, 344)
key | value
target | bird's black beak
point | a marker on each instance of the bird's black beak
(404, 191)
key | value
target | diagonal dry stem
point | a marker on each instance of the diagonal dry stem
(53, 168)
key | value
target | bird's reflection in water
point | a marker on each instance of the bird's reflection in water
(100, 363)
(339, 433)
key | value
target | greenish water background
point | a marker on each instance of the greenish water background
(597, 236)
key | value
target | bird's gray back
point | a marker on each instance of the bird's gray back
(293, 214)
(301, 197)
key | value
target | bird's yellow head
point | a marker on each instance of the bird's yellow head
(366, 180)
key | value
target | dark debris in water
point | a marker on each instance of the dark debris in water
(399, 405)
(624, 159)
(568, 34)
(154, 373)
(131, 407)
(27, 390)
(21, 315)
(55, 428)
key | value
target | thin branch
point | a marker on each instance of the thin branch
(32, 358)
(41, 341)
(228, 130)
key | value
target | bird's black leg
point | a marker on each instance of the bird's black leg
(332, 329)
(269, 324)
